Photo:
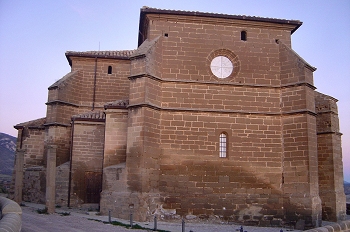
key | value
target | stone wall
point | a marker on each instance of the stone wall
(198, 37)
(266, 107)
(115, 134)
(59, 136)
(32, 143)
(109, 87)
(34, 185)
(62, 180)
(343, 226)
(158, 151)
(245, 183)
(114, 191)
(330, 159)
(87, 157)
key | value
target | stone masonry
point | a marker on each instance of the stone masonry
(212, 115)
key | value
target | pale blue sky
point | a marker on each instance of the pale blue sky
(34, 35)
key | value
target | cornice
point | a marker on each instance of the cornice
(329, 132)
(327, 112)
(164, 80)
(205, 110)
(60, 102)
(56, 124)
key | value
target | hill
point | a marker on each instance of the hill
(347, 188)
(7, 153)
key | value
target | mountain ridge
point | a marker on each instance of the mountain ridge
(7, 153)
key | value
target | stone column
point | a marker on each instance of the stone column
(51, 179)
(19, 170)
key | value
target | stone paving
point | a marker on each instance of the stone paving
(79, 221)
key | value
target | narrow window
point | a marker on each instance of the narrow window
(109, 69)
(244, 35)
(223, 145)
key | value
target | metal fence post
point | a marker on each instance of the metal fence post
(131, 221)
(155, 222)
(109, 217)
(183, 225)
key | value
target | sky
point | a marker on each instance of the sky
(34, 36)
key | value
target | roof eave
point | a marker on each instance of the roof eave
(69, 59)
(73, 54)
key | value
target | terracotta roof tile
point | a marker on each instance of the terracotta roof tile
(62, 80)
(144, 47)
(122, 54)
(92, 115)
(117, 104)
(102, 54)
(37, 123)
(147, 9)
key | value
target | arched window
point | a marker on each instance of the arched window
(109, 69)
(244, 35)
(223, 145)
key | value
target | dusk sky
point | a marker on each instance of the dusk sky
(34, 36)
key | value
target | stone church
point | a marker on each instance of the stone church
(212, 115)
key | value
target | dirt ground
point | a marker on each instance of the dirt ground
(32, 221)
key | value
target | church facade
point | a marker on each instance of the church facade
(212, 115)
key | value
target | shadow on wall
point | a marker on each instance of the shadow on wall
(205, 188)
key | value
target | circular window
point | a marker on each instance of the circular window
(221, 66)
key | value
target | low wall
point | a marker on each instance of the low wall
(10, 216)
(340, 226)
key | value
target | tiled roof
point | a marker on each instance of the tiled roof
(146, 9)
(37, 123)
(122, 54)
(92, 115)
(144, 47)
(326, 97)
(117, 104)
(57, 83)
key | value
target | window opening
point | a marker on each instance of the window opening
(223, 145)
(166, 34)
(109, 69)
(244, 35)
